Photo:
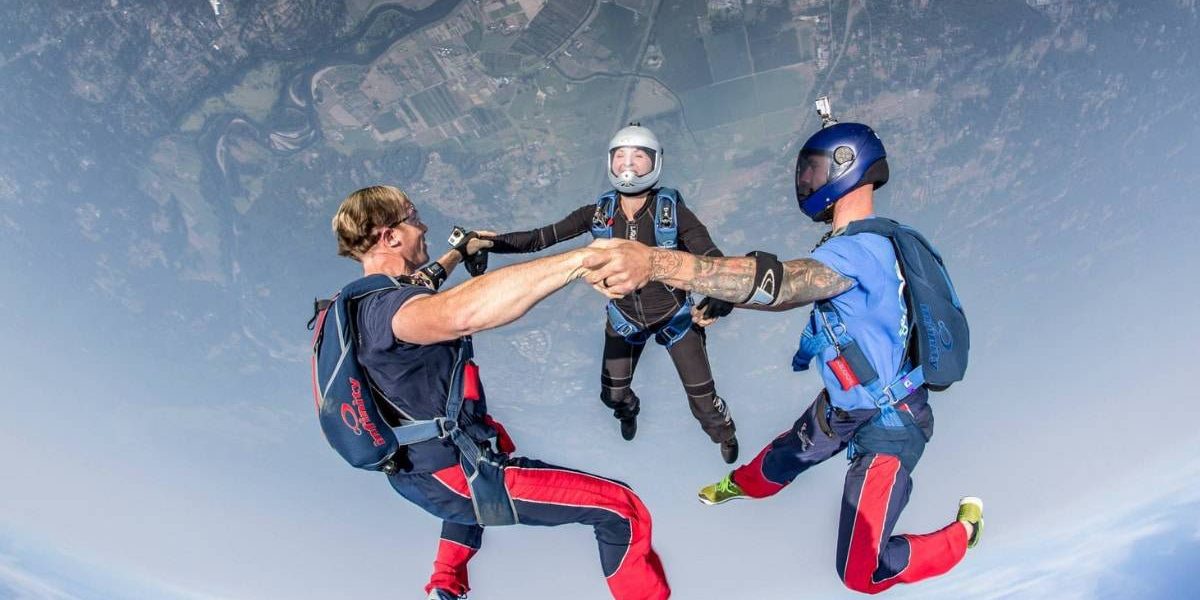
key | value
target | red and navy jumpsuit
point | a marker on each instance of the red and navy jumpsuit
(415, 379)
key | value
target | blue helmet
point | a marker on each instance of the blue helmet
(835, 161)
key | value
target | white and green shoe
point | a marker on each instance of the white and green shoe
(440, 594)
(970, 510)
(721, 491)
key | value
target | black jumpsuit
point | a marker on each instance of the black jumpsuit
(650, 308)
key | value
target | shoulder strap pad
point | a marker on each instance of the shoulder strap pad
(891, 230)
(666, 218)
(602, 219)
(373, 283)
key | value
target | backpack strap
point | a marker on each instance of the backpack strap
(602, 219)
(851, 367)
(666, 218)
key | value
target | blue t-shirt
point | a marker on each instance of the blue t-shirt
(415, 378)
(874, 311)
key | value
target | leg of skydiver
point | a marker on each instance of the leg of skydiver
(616, 380)
(461, 535)
(457, 545)
(691, 362)
(548, 495)
(796, 450)
(869, 558)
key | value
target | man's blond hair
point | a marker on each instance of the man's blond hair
(363, 212)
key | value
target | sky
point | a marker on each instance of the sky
(158, 439)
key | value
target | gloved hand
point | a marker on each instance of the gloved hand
(473, 250)
(482, 241)
(711, 308)
(474, 242)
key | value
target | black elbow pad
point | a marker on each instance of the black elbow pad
(768, 276)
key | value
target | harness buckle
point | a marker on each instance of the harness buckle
(446, 427)
(890, 396)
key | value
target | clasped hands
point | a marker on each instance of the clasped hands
(616, 268)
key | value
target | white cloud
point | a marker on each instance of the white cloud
(54, 575)
(87, 216)
(1066, 560)
(24, 585)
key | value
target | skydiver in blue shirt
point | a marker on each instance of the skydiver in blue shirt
(860, 324)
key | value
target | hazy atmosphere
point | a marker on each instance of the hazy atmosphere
(168, 171)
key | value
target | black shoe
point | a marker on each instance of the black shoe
(729, 450)
(629, 427)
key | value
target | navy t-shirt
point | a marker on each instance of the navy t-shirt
(415, 378)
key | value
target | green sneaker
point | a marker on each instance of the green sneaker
(970, 510)
(721, 491)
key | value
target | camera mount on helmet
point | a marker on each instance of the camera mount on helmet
(836, 160)
(825, 112)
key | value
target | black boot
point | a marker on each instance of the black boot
(729, 450)
(626, 406)
(629, 427)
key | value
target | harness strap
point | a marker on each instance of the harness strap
(666, 218)
(672, 332)
(679, 324)
(906, 384)
(620, 324)
(602, 219)
(834, 337)
(454, 403)
(447, 426)
(666, 225)
(420, 431)
(885, 396)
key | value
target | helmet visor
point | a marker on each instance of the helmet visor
(637, 160)
(813, 170)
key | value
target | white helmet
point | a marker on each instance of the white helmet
(627, 181)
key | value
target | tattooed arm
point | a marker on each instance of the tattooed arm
(626, 267)
(805, 280)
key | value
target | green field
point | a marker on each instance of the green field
(253, 96)
(685, 62)
(781, 89)
(616, 31)
(729, 56)
(721, 103)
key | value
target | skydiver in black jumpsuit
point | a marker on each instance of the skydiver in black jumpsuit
(635, 165)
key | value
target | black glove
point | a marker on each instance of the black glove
(713, 308)
(462, 238)
(476, 264)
